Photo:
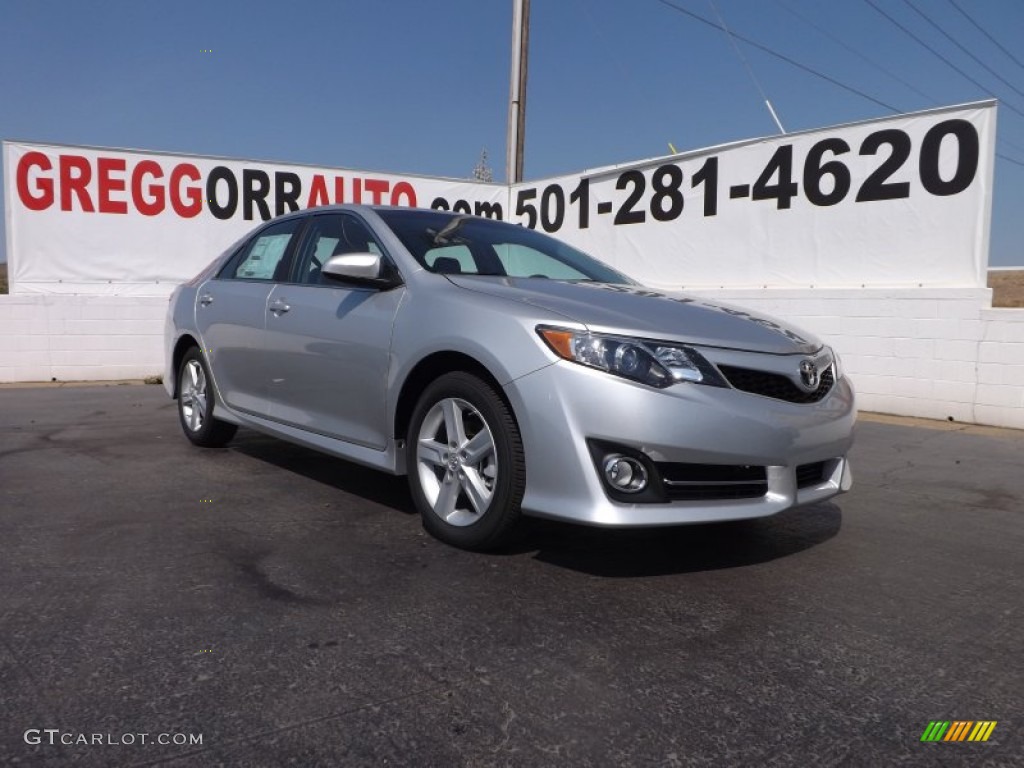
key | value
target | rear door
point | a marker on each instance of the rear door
(231, 315)
(328, 352)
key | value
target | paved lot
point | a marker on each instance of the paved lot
(289, 608)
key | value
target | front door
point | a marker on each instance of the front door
(328, 352)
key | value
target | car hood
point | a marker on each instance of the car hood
(634, 310)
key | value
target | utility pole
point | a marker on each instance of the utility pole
(517, 90)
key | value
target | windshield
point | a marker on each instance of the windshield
(455, 243)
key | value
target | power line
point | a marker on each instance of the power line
(785, 6)
(978, 27)
(746, 64)
(950, 64)
(955, 42)
(1018, 147)
(883, 70)
(809, 70)
(778, 55)
(866, 59)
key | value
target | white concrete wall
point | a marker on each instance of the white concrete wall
(1000, 396)
(80, 338)
(935, 353)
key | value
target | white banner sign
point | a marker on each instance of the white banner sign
(104, 221)
(902, 201)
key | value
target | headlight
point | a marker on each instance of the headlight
(655, 363)
(839, 372)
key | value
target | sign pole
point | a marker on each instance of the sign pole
(517, 90)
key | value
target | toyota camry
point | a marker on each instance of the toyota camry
(506, 374)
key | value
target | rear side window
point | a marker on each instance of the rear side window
(263, 257)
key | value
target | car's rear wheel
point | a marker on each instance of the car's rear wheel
(465, 462)
(195, 403)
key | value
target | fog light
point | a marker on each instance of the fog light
(624, 473)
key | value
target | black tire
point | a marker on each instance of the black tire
(480, 406)
(196, 412)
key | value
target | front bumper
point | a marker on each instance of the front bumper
(564, 405)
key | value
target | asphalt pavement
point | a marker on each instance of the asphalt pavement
(286, 608)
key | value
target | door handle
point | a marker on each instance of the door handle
(206, 299)
(279, 307)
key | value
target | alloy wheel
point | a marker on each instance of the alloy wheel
(193, 395)
(456, 461)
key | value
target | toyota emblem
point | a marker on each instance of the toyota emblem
(809, 375)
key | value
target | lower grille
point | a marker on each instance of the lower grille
(703, 482)
(811, 474)
(776, 385)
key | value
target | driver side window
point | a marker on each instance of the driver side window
(330, 235)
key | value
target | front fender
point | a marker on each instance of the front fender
(499, 334)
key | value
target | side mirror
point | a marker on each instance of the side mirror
(358, 268)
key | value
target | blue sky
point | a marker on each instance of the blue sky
(420, 87)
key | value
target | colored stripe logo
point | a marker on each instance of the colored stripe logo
(958, 730)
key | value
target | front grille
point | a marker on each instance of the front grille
(775, 385)
(702, 482)
(811, 474)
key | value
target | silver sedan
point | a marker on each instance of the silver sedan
(506, 373)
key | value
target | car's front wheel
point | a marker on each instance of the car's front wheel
(465, 462)
(195, 404)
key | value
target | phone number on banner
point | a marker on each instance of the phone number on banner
(658, 193)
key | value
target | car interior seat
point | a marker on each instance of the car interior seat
(446, 265)
(354, 239)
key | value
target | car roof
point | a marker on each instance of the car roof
(363, 208)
